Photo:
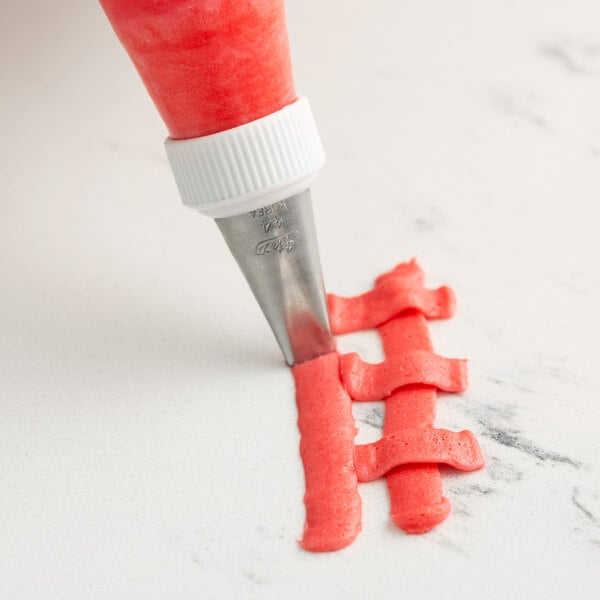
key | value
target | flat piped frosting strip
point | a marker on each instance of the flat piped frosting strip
(440, 446)
(398, 290)
(365, 381)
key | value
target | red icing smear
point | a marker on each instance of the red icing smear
(411, 448)
(333, 506)
(209, 65)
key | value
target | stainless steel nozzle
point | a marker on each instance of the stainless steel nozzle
(276, 249)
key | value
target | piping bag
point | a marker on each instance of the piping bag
(243, 147)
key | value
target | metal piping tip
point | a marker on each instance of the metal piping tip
(276, 249)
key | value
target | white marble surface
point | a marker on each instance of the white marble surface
(147, 424)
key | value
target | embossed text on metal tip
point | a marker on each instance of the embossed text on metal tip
(276, 249)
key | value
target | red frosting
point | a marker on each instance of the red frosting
(365, 381)
(417, 503)
(209, 65)
(417, 446)
(394, 292)
(411, 448)
(325, 419)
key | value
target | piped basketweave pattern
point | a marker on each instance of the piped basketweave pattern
(411, 448)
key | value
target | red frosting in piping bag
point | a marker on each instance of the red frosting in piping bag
(209, 65)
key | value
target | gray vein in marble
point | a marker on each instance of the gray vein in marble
(197, 560)
(517, 386)
(588, 513)
(253, 578)
(511, 107)
(529, 377)
(512, 439)
(496, 421)
(444, 542)
(460, 510)
(374, 417)
(424, 225)
(574, 56)
(560, 55)
(483, 490)
(501, 471)
(429, 222)
(471, 490)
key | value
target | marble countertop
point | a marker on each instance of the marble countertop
(148, 426)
